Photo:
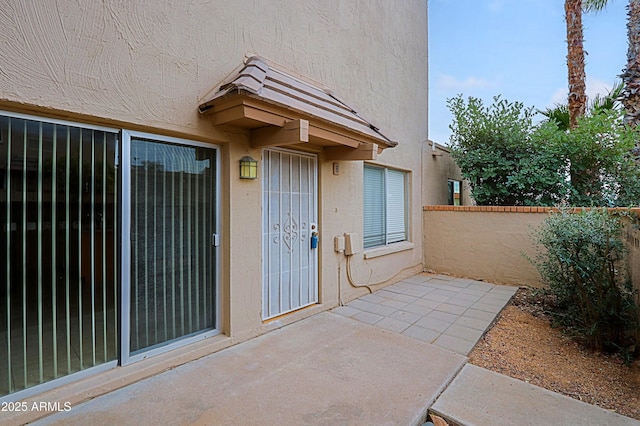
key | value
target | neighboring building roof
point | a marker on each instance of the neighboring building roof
(258, 80)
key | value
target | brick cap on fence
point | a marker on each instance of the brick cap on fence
(517, 209)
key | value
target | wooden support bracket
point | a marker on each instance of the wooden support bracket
(293, 132)
(365, 151)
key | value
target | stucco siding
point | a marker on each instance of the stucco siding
(148, 65)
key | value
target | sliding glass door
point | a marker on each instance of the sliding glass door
(172, 292)
(58, 272)
(104, 259)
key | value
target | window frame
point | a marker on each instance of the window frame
(451, 192)
(389, 219)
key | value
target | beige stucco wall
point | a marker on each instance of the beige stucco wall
(438, 167)
(493, 243)
(148, 65)
(482, 245)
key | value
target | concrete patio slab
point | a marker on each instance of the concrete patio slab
(336, 368)
(449, 312)
(454, 344)
(326, 369)
(481, 397)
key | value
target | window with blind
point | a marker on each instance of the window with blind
(385, 206)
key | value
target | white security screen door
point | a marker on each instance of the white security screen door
(289, 263)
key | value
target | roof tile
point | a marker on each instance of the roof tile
(258, 79)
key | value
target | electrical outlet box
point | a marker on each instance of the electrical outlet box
(352, 243)
(338, 243)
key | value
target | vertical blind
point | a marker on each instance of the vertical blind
(58, 297)
(375, 211)
(172, 223)
(59, 289)
(385, 198)
(396, 204)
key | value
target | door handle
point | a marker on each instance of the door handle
(314, 236)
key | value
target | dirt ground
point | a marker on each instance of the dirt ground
(522, 344)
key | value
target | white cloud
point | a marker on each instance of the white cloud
(559, 97)
(594, 87)
(451, 83)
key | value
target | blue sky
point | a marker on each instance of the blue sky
(516, 49)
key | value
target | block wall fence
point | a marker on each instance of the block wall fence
(492, 243)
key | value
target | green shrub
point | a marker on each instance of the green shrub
(583, 265)
(510, 160)
(507, 160)
(603, 173)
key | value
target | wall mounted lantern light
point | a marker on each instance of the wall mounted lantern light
(248, 168)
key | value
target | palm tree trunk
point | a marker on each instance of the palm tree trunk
(631, 75)
(575, 61)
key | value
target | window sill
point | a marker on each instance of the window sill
(384, 250)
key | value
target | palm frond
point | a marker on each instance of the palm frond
(593, 5)
(559, 114)
(609, 101)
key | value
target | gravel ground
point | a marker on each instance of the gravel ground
(523, 345)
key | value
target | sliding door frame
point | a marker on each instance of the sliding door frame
(125, 269)
(122, 261)
(98, 368)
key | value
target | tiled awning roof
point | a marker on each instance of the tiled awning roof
(282, 110)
